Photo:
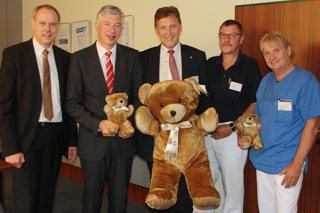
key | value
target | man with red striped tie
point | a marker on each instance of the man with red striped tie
(104, 68)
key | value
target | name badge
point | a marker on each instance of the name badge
(235, 86)
(196, 78)
(284, 105)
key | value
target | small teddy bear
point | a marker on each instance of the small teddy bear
(117, 112)
(249, 126)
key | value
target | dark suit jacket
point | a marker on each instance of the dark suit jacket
(21, 97)
(86, 94)
(193, 64)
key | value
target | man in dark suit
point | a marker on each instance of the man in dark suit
(34, 125)
(92, 73)
(190, 62)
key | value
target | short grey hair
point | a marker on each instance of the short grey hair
(109, 9)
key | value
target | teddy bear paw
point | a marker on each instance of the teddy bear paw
(210, 120)
(160, 200)
(257, 146)
(143, 119)
(160, 204)
(113, 129)
(127, 129)
(203, 202)
(245, 145)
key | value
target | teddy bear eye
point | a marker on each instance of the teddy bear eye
(161, 104)
(179, 101)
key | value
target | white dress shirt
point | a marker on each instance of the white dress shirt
(103, 58)
(54, 78)
(164, 69)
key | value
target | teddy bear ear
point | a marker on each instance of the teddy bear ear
(143, 92)
(194, 84)
(108, 98)
(125, 95)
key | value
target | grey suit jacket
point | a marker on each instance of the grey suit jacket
(86, 94)
(193, 64)
(21, 97)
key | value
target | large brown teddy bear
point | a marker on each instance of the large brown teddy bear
(117, 112)
(179, 142)
(249, 126)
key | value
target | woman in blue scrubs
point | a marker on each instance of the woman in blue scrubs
(288, 103)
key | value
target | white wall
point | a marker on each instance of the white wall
(200, 26)
(10, 23)
(3, 25)
(200, 19)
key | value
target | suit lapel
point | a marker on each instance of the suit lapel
(187, 61)
(120, 60)
(95, 67)
(32, 60)
(154, 63)
(59, 64)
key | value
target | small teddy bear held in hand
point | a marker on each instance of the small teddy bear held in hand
(169, 116)
(118, 113)
(249, 126)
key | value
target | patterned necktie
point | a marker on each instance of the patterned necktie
(46, 90)
(110, 75)
(173, 66)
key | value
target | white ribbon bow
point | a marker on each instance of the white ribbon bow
(119, 108)
(248, 125)
(172, 144)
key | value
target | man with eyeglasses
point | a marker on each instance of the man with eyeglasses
(233, 79)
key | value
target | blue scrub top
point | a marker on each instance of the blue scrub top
(281, 130)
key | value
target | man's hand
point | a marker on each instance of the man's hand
(221, 132)
(293, 170)
(120, 133)
(103, 126)
(16, 160)
(72, 154)
(292, 173)
(240, 138)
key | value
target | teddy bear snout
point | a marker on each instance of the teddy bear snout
(121, 101)
(173, 113)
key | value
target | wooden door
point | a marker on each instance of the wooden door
(300, 23)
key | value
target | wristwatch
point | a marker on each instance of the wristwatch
(233, 128)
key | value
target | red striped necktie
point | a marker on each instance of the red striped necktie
(110, 75)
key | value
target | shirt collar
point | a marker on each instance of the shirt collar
(164, 50)
(237, 61)
(102, 50)
(38, 48)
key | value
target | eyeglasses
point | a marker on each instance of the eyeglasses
(231, 35)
